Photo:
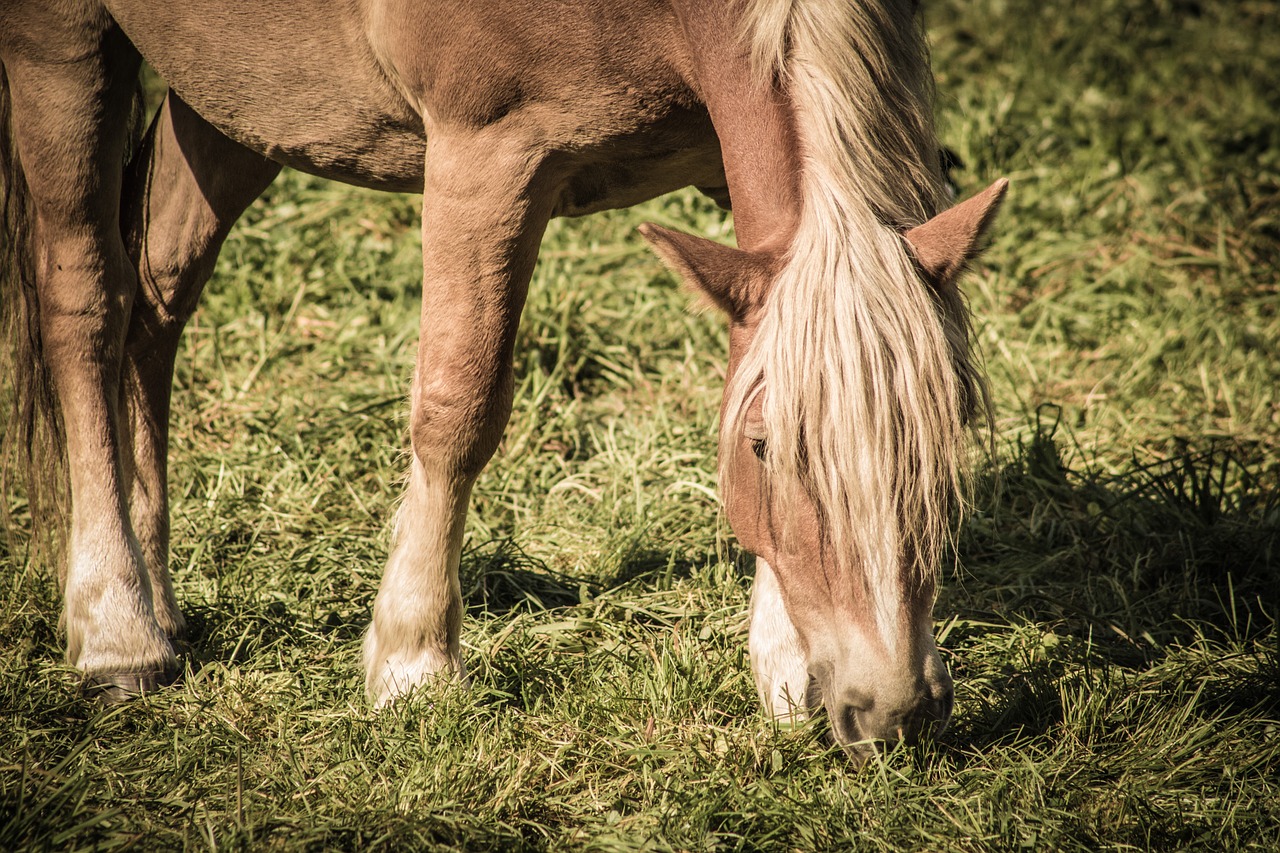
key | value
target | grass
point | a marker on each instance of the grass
(1110, 618)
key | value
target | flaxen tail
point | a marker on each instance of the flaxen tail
(32, 458)
(33, 475)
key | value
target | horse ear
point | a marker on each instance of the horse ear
(948, 241)
(735, 280)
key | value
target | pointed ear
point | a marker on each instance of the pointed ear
(733, 279)
(944, 244)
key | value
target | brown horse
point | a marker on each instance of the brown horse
(850, 380)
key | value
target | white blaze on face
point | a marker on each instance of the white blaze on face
(777, 658)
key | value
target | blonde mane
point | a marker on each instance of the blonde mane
(866, 374)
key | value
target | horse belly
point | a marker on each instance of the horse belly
(296, 82)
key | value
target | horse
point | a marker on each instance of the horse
(850, 388)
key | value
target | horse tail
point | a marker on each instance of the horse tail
(32, 449)
(33, 475)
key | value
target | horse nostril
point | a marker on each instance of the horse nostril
(947, 702)
(852, 723)
(845, 724)
(867, 725)
(932, 715)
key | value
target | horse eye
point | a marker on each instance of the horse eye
(757, 447)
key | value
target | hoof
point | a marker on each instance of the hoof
(114, 688)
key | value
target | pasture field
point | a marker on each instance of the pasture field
(1110, 616)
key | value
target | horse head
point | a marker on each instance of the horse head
(842, 610)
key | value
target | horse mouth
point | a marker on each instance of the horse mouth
(860, 731)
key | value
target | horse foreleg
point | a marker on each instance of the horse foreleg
(185, 188)
(485, 207)
(71, 89)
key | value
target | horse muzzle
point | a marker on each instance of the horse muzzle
(862, 723)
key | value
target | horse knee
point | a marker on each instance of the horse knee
(456, 430)
(162, 310)
(172, 272)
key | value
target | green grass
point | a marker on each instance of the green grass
(1110, 618)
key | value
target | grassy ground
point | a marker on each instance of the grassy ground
(1110, 620)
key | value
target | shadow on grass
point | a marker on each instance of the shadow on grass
(1157, 554)
(1084, 580)
(217, 635)
(655, 568)
(498, 578)
(1029, 704)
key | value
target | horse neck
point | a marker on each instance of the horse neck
(854, 116)
(756, 126)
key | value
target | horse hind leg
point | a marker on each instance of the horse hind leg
(70, 89)
(485, 206)
(185, 188)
